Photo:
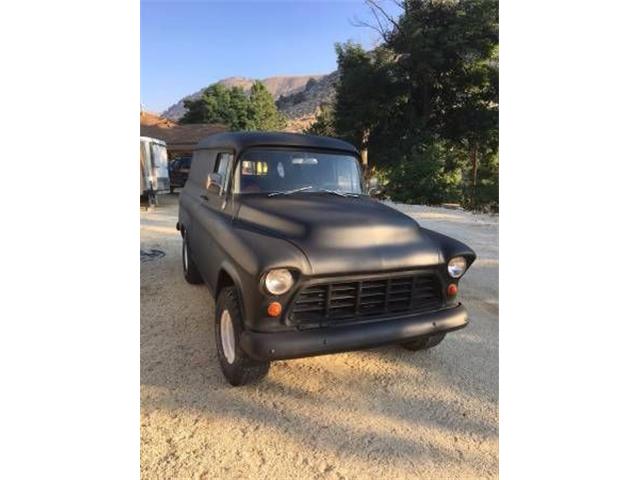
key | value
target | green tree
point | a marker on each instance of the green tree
(211, 107)
(235, 109)
(448, 54)
(219, 104)
(323, 123)
(427, 174)
(365, 93)
(430, 88)
(262, 109)
(238, 110)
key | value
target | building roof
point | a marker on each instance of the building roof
(152, 140)
(174, 134)
(240, 140)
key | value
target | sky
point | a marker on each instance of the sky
(185, 46)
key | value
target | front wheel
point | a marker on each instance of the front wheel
(424, 343)
(236, 366)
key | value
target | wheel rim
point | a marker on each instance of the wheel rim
(227, 337)
(185, 255)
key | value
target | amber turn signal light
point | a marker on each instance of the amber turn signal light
(452, 290)
(274, 309)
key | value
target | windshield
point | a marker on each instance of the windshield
(291, 171)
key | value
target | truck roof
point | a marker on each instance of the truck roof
(241, 140)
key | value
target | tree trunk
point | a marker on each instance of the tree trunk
(364, 151)
(474, 174)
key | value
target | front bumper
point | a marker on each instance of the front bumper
(320, 341)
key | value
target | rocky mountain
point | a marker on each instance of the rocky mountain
(306, 101)
(279, 87)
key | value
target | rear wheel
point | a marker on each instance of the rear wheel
(424, 343)
(237, 367)
(189, 269)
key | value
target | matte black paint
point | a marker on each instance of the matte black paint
(317, 236)
(239, 141)
(321, 341)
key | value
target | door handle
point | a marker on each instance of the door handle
(204, 197)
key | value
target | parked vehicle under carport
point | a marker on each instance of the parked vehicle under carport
(179, 172)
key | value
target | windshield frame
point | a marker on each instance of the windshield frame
(235, 187)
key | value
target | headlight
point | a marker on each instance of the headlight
(278, 281)
(457, 266)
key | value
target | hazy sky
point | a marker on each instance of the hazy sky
(187, 45)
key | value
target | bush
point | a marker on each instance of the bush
(436, 174)
(487, 189)
(426, 176)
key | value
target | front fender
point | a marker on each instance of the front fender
(450, 247)
(257, 252)
(250, 255)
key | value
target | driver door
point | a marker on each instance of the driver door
(215, 214)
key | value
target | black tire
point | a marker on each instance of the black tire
(189, 269)
(424, 343)
(242, 369)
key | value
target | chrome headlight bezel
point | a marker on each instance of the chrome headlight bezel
(278, 281)
(457, 266)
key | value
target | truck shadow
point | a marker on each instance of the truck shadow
(385, 403)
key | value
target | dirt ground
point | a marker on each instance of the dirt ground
(384, 413)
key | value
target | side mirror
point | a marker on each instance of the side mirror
(372, 186)
(214, 182)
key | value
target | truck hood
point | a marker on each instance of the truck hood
(342, 234)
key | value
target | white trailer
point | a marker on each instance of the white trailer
(154, 167)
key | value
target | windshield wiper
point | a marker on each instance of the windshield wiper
(289, 192)
(342, 194)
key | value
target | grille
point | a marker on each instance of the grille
(366, 298)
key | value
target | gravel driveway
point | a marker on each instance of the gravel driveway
(384, 413)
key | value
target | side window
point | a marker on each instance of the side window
(223, 165)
